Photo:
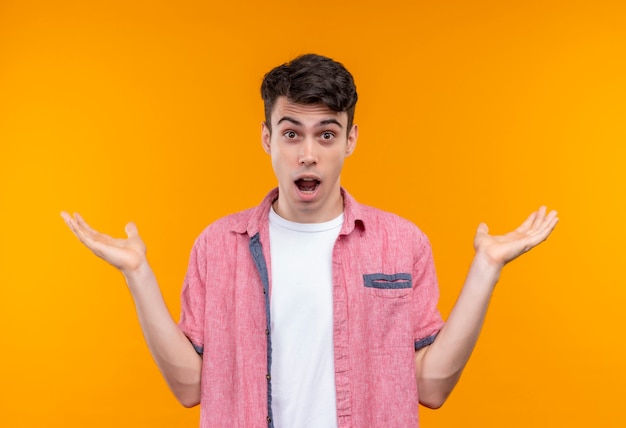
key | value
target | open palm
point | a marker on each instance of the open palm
(125, 254)
(502, 249)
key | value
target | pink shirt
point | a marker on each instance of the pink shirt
(385, 307)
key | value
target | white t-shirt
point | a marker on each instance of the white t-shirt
(301, 312)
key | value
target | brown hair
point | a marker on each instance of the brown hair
(310, 79)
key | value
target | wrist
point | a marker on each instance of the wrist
(486, 267)
(137, 274)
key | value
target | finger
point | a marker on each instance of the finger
(134, 238)
(525, 227)
(84, 224)
(534, 222)
(547, 223)
(69, 221)
(482, 229)
(67, 218)
(131, 230)
(84, 232)
(551, 222)
(543, 234)
(539, 218)
(90, 237)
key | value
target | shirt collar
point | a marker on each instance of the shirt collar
(256, 217)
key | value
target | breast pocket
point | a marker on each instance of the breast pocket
(387, 312)
(389, 286)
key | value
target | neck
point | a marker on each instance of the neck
(303, 212)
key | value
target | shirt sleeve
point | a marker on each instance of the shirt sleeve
(427, 319)
(193, 297)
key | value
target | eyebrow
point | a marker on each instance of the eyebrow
(298, 123)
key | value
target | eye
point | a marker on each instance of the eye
(327, 135)
(290, 135)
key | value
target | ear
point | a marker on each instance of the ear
(353, 135)
(265, 137)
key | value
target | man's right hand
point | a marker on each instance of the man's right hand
(128, 255)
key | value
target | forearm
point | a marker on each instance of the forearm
(439, 366)
(172, 351)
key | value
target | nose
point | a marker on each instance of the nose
(308, 152)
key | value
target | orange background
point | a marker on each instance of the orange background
(469, 111)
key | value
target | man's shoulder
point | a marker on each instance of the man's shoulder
(248, 221)
(373, 212)
(228, 223)
(386, 232)
(378, 218)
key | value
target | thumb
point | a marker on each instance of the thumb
(482, 229)
(131, 230)
(482, 232)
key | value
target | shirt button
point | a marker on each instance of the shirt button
(267, 332)
(269, 420)
(268, 377)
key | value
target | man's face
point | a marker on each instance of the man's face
(308, 144)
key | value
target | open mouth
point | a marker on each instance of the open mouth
(307, 184)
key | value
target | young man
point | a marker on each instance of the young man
(312, 310)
